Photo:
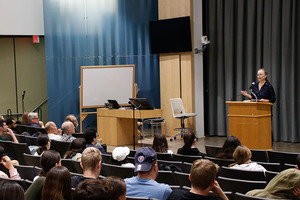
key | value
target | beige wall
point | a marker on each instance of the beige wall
(177, 70)
(30, 74)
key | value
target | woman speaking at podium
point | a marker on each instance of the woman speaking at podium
(263, 90)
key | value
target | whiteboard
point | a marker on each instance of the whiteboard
(99, 83)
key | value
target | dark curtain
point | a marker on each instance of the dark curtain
(246, 35)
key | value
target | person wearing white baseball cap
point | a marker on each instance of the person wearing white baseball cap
(144, 184)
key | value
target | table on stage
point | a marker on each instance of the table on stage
(115, 126)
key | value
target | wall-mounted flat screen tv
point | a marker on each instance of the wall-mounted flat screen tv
(170, 35)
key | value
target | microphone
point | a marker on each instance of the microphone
(23, 95)
(251, 86)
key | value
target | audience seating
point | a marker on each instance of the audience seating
(107, 158)
(166, 177)
(130, 160)
(131, 153)
(163, 164)
(32, 160)
(21, 138)
(212, 150)
(182, 179)
(25, 184)
(8, 150)
(282, 157)
(164, 156)
(259, 155)
(270, 175)
(37, 170)
(78, 135)
(243, 174)
(20, 129)
(26, 172)
(19, 149)
(186, 167)
(73, 166)
(186, 158)
(275, 167)
(221, 162)
(227, 193)
(288, 166)
(31, 140)
(4, 169)
(115, 170)
(60, 146)
(238, 185)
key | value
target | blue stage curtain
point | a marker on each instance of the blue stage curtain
(96, 32)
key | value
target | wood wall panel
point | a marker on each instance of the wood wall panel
(176, 82)
(170, 88)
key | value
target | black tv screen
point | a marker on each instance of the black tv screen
(170, 35)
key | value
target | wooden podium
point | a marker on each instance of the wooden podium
(251, 123)
(115, 126)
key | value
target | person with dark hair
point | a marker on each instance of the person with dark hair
(263, 90)
(90, 136)
(4, 129)
(11, 191)
(48, 160)
(189, 147)
(298, 162)
(203, 180)
(76, 148)
(228, 147)
(11, 123)
(160, 144)
(91, 165)
(242, 157)
(57, 184)
(144, 184)
(112, 188)
(43, 143)
(7, 163)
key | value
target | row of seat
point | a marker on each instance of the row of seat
(260, 155)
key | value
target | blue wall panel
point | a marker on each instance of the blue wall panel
(96, 32)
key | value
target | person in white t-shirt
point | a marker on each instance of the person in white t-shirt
(53, 132)
(242, 157)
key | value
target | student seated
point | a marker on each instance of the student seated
(228, 148)
(203, 180)
(189, 147)
(160, 144)
(76, 148)
(242, 157)
(7, 163)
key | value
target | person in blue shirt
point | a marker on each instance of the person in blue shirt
(90, 136)
(144, 184)
(263, 90)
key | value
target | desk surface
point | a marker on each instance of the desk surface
(138, 114)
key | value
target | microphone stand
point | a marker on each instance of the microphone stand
(133, 123)
(23, 97)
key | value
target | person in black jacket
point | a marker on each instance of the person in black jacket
(189, 147)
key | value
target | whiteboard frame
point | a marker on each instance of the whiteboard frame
(104, 67)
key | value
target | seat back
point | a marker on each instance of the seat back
(72, 166)
(259, 155)
(166, 177)
(275, 167)
(169, 165)
(221, 162)
(24, 184)
(19, 149)
(164, 156)
(31, 140)
(116, 170)
(243, 174)
(21, 138)
(20, 128)
(212, 150)
(60, 146)
(32, 160)
(177, 106)
(107, 158)
(26, 172)
(270, 175)
(282, 157)
(137, 198)
(240, 196)
(182, 179)
(288, 166)
(8, 150)
(186, 167)
(186, 158)
(238, 185)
